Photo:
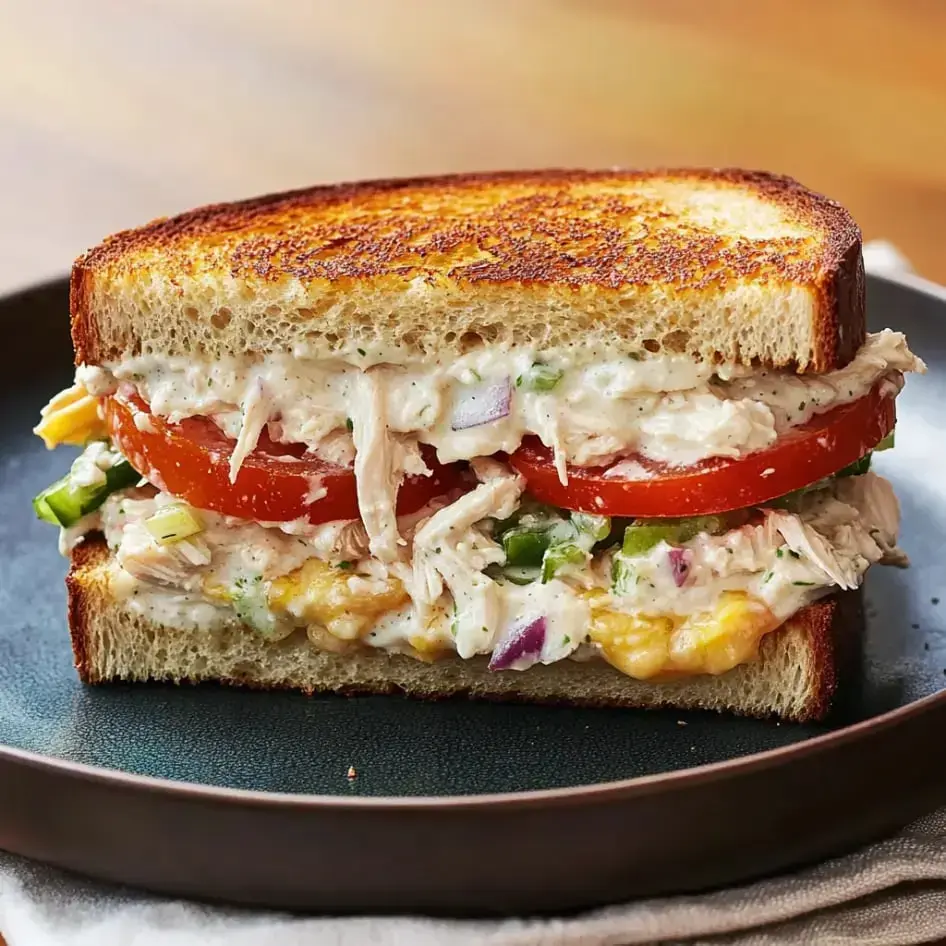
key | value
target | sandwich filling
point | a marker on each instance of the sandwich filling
(524, 506)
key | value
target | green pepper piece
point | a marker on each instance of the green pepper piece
(521, 574)
(639, 539)
(560, 556)
(525, 546)
(692, 527)
(642, 535)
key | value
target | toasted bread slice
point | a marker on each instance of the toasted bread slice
(724, 265)
(794, 678)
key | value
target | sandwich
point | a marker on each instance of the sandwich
(591, 438)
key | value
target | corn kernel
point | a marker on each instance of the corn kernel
(636, 644)
(717, 641)
(320, 594)
(425, 648)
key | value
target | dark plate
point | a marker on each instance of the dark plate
(457, 807)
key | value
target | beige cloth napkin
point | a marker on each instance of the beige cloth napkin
(888, 894)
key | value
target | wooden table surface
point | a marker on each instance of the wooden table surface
(114, 112)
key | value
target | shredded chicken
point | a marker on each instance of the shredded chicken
(877, 503)
(450, 551)
(256, 411)
(811, 545)
(846, 529)
(174, 566)
(543, 417)
(379, 466)
(742, 550)
(342, 540)
(337, 447)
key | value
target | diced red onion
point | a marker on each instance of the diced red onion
(520, 647)
(482, 405)
(680, 560)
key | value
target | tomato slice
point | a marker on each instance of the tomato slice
(191, 460)
(801, 456)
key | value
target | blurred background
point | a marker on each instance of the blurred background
(116, 111)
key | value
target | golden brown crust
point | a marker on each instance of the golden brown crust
(828, 628)
(823, 629)
(841, 296)
(85, 338)
(84, 559)
(585, 231)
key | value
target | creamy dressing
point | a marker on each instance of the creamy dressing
(667, 407)
(233, 548)
(591, 409)
(92, 465)
(785, 561)
(184, 611)
(451, 552)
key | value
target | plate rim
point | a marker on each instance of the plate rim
(563, 796)
(615, 790)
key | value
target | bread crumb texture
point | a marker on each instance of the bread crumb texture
(793, 678)
(731, 266)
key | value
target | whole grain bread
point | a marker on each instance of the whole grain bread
(724, 265)
(794, 678)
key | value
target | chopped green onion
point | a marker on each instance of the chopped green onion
(597, 527)
(251, 606)
(540, 378)
(173, 523)
(623, 575)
